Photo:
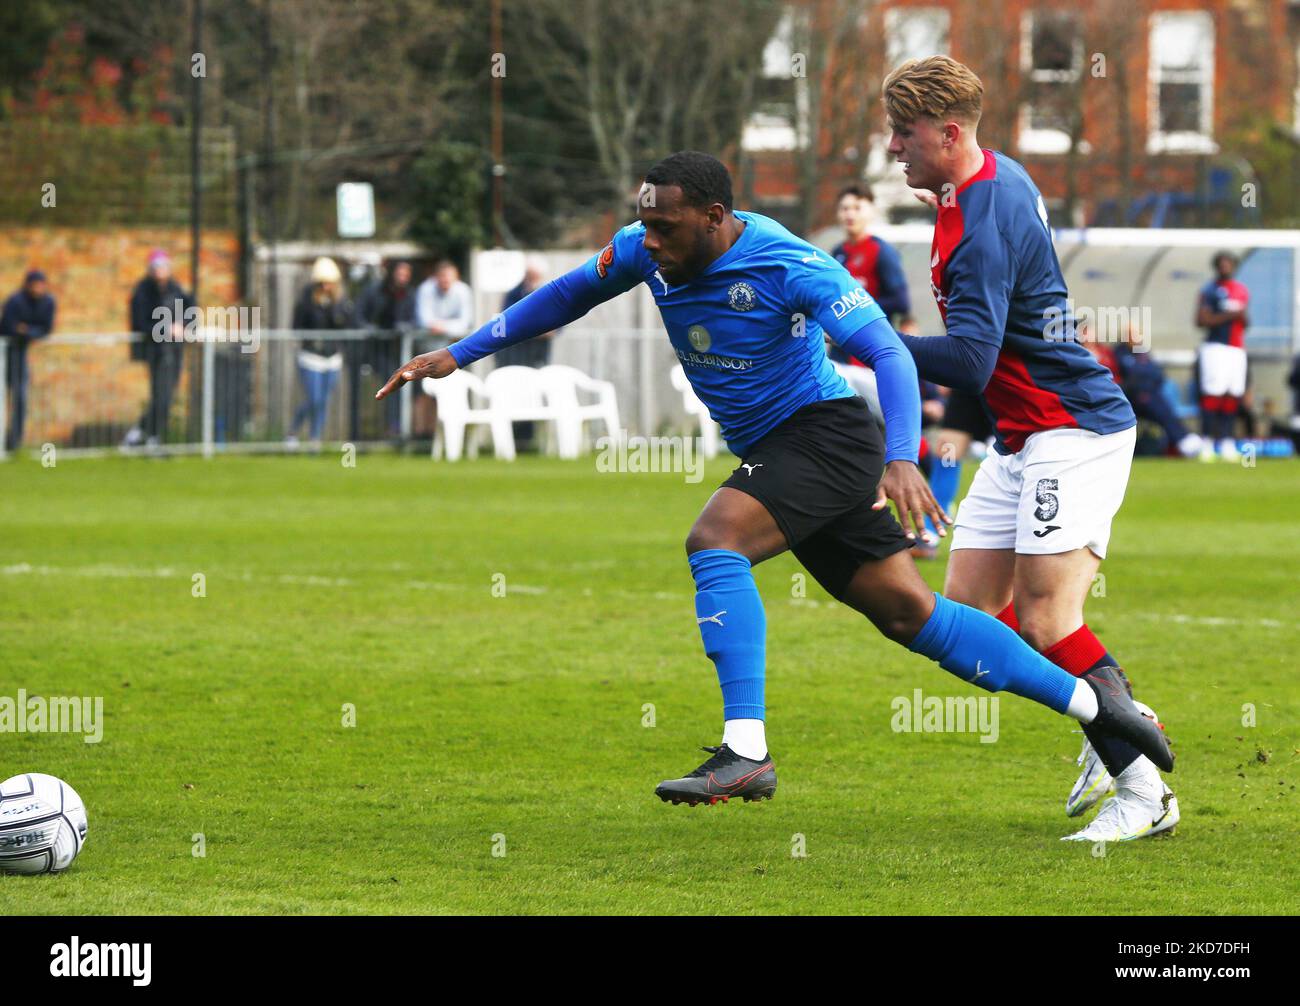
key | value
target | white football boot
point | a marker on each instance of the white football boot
(1094, 780)
(1093, 783)
(1142, 805)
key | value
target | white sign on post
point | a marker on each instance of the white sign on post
(356, 209)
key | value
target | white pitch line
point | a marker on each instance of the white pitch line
(1267, 623)
(291, 579)
(314, 580)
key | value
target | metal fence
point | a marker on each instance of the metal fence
(246, 391)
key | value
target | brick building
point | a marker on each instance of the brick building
(1126, 112)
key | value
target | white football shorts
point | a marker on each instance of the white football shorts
(1059, 493)
(1222, 369)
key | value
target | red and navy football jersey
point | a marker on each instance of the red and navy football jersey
(1226, 295)
(997, 280)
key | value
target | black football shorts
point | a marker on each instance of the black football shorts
(817, 473)
(965, 412)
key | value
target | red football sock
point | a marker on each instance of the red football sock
(1077, 653)
(1007, 616)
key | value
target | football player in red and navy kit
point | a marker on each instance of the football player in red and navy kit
(1034, 526)
(1221, 363)
(870, 260)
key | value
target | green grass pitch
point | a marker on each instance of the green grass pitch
(500, 760)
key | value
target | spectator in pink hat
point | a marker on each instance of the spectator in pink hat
(158, 306)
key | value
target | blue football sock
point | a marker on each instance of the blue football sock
(944, 480)
(978, 648)
(734, 627)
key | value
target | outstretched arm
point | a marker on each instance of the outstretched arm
(549, 307)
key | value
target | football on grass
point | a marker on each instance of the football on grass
(42, 824)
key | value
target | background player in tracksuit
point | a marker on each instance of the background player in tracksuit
(1034, 526)
(1221, 363)
(745, 303)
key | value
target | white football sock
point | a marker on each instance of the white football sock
(1083, 704)
(748, 738)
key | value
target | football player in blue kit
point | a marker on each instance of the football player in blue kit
(745, 303)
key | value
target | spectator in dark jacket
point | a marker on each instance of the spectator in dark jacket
(28, 315)
(387, 306)
(158, 306)
(531, 352)
(321, 308)
(1293, 381)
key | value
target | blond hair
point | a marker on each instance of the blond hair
(936, 87)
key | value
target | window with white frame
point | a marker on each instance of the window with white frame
(774, 122)
(1181, 105)
(914, 32)
(1051, 60)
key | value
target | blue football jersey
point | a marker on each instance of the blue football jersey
(748, 330)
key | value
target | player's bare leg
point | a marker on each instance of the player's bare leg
(736, 521)
(893, 597)
(984, 578)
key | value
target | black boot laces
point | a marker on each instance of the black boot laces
(722, 757)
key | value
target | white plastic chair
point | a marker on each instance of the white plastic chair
(456, 413)
(562, 385)
(710, 432)
(863, 381)
(518, 395)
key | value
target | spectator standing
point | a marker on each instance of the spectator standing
(444, 306)
(443, 303)
(1221, 364)
(1293, 382)
(158, 306)
(28, 315)
(530, 352)
(387, 308)
(321, 308)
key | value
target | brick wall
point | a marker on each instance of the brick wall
(92, 273)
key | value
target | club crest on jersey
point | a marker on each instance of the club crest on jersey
(742, 297)
(850, 300)
(605, 261)
(699, 337)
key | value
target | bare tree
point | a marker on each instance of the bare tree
(834, 109)
(647, 79)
